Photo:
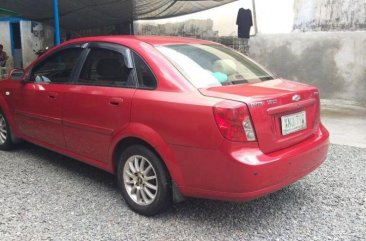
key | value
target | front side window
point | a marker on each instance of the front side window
(57, 68)
(107, 68)
(213, 65)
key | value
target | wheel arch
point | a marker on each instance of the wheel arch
(127, 142)
(141, 134)
(4, 107)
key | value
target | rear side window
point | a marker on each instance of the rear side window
(107, 68)
(145, 76)
(57, 68)
(206, 65)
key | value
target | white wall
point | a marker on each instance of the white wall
(5, 40)
(29, 43)
(275, 16)
(325, 15)
(34, 41)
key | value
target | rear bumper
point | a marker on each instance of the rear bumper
(240, 174)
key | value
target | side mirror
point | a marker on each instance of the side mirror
(17, 74)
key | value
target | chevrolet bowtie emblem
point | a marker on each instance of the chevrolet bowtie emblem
(296, 98)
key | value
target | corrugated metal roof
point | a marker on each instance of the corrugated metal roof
(84, 14)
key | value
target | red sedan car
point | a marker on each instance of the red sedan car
(171, 117)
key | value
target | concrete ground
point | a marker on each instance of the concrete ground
(346, 122)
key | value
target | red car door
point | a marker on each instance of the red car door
(98, 104)
(37, 105)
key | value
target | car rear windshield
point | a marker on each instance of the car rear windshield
(213, 65)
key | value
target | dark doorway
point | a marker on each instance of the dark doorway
(16, 44)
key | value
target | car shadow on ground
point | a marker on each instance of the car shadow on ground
(66, 163)
(212, 212)
(201, 210)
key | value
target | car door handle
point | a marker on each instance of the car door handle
(115, 101)
(52, 95)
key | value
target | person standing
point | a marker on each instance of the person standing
(3, 56)
(244, 22)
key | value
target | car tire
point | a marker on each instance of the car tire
(143, 180)
(6, 142)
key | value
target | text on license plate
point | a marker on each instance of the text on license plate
(293, 123)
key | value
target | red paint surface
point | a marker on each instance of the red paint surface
(88, 122)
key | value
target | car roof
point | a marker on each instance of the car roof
(153, 40)
(161, 40)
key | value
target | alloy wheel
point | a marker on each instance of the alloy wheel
(140, 180)
(3, 130)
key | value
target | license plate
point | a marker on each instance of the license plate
(293, 123)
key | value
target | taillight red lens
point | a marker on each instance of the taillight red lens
(233, 121)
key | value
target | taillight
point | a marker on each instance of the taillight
(233, 121)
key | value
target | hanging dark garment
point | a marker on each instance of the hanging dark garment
(244, 22)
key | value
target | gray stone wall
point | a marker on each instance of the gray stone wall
(34, 38)
(5, 41)
(335, 62)
(329, 15)
(197, 28)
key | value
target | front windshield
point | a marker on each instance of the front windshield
(213, 65)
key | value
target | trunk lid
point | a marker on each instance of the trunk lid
(271, 104)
